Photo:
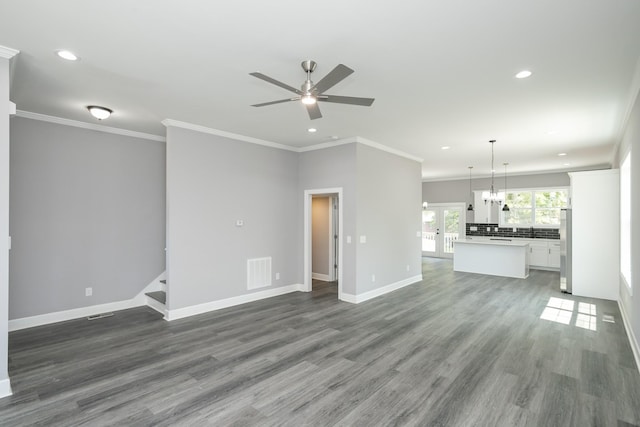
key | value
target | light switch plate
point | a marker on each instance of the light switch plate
(363, 239)
(348, 239)
(239, 223)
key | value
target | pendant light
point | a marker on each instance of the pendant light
(505, 208)
(492, 196)
(470, 208)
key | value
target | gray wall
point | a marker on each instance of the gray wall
(631, 141)
(4, 225)
(458, 190)
(389, 215)
(87, 210)
(212, 182)
(331, 168)
(320, 240)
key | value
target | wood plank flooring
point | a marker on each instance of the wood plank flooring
(457, 349)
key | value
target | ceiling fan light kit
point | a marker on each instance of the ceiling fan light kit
(309, 93)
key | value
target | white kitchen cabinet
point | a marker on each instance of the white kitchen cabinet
(544, 254)
(538, 254)
(595, 239)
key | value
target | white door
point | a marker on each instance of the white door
(441, 226)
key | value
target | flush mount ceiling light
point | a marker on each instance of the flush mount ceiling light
(562, 154)
(99, 113)
(523, 74)
(312, 130)
(67, 54)
(446, 147)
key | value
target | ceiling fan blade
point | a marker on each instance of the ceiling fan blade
(333, 78)
(276, 102)
(366, 102)
(276, 82)
(314, 111)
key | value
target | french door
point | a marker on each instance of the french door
(442, 224)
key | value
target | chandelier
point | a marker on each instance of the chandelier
(492, 195)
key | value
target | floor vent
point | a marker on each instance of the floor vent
(99, 316)
(608, 318)
(258, 273)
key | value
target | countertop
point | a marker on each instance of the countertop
(499, 242)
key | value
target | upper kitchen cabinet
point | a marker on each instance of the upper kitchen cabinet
(595, 204)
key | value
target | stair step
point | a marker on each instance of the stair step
(160, 296)
(164, 282)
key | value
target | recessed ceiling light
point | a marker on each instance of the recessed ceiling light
(66, 54)
(566, 164)
(334, 137)
(446, 147)
(562, 154)
(99, 113)
(312, 130)
(523, 74)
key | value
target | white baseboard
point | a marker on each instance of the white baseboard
(320, 276)
(5, 388)
(632, 338)
(357, 299)
(76, 313)
(193, 310)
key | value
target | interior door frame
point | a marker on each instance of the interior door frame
(439, 253)
(308, 195)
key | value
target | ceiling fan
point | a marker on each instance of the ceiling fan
(310, 93)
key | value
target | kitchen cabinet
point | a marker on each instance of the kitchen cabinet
(544, 254)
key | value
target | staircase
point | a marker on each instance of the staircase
(158, 299)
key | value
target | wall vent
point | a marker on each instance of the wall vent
(258, 273)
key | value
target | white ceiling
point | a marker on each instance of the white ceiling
(442, 72)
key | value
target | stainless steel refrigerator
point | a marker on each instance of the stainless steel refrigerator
(565, 250)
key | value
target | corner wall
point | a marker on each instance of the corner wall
(213, 182)
(87, 210)
(630, 304)
(389, 216)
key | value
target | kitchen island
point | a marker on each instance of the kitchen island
(497, 257)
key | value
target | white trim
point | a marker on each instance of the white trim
(91, 126)
(5, 388)
(630, 335)
(544, 172)
(634, 92)
(330, 144)
(321, 146)
(12, 108)
(76, 313)
(194, 310)
(238, 137)
(7, 52)
(357, 299)
(381, 147)
(308, 195)
(320, 276)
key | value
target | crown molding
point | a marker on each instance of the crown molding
(544, 172)
(329, 144)
(7, 52)
(225, 134)
(382, 147)
(91, 126)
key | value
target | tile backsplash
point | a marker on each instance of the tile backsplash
(485, 229)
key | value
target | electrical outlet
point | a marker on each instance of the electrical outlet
(348, 239)
(488, 228)
(514, 229)
(495, 229)
(88, 292)
(373, 277)
(277, 276)
(363, 239)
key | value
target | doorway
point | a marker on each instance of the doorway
(442, 224)
(331, 260)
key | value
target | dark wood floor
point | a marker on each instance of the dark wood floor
(455, 350)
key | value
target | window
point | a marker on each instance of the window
(625, 220)
(534, 208)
